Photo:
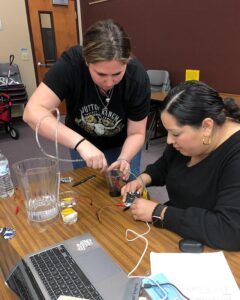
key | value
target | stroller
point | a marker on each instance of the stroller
(5, 115)
(6, 104)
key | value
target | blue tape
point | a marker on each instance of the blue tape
(165, 292)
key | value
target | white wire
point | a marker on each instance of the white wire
(138, 236)
(142, 236)
(55, 138)
(158, 285)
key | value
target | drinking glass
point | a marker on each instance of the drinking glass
(114, 182)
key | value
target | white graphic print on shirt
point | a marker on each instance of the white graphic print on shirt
(98, 122)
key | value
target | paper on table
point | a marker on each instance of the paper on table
(200, 276)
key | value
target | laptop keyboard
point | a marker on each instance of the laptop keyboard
(62, 276)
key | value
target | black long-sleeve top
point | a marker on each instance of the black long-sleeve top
(204, 199)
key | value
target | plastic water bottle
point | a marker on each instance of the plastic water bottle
(6, 185)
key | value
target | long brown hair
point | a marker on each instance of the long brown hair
(106, 40)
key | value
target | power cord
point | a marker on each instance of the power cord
(164, 295)
(138, 236)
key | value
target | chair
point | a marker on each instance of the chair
(159, 81)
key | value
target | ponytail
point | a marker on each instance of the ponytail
(232, 110)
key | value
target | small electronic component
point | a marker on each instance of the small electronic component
(131, 196)
(66, 179)
(190, 246)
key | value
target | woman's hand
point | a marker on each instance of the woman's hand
(123, 166)
(142, 209)
(132, 186)
(93, 157)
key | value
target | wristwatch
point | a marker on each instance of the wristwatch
(157, 219)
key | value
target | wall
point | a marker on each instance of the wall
(166, 34)
(177, 35)
(13, 37)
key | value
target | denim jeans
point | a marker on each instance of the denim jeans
(111, 156)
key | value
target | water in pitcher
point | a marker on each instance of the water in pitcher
(42, 209)
(38, 180)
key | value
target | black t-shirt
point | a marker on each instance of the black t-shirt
(70, 79)
(205, 198)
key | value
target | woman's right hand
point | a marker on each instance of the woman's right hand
(132, 186)
(93, 157)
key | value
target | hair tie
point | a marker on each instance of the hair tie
(78, 143)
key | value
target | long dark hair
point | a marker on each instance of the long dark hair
(190, 102)
(106, 40)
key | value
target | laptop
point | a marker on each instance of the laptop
(78, 267)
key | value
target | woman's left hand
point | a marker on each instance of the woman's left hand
(142, 209)
(122, 165)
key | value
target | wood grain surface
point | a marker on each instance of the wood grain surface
(109, 230)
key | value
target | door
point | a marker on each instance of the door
(53, 29)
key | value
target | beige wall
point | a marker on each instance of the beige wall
(14, 36)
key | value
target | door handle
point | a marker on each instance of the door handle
(42, 65)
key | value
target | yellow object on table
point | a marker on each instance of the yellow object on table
(69, 215)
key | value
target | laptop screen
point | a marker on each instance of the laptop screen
(9, 257)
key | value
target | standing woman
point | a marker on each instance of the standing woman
(107, 95)
(200, 168)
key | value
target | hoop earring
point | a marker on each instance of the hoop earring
(206, 140)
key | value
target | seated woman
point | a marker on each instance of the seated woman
(200, 168)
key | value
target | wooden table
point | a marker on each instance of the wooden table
(110, 233)
(159, 96)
